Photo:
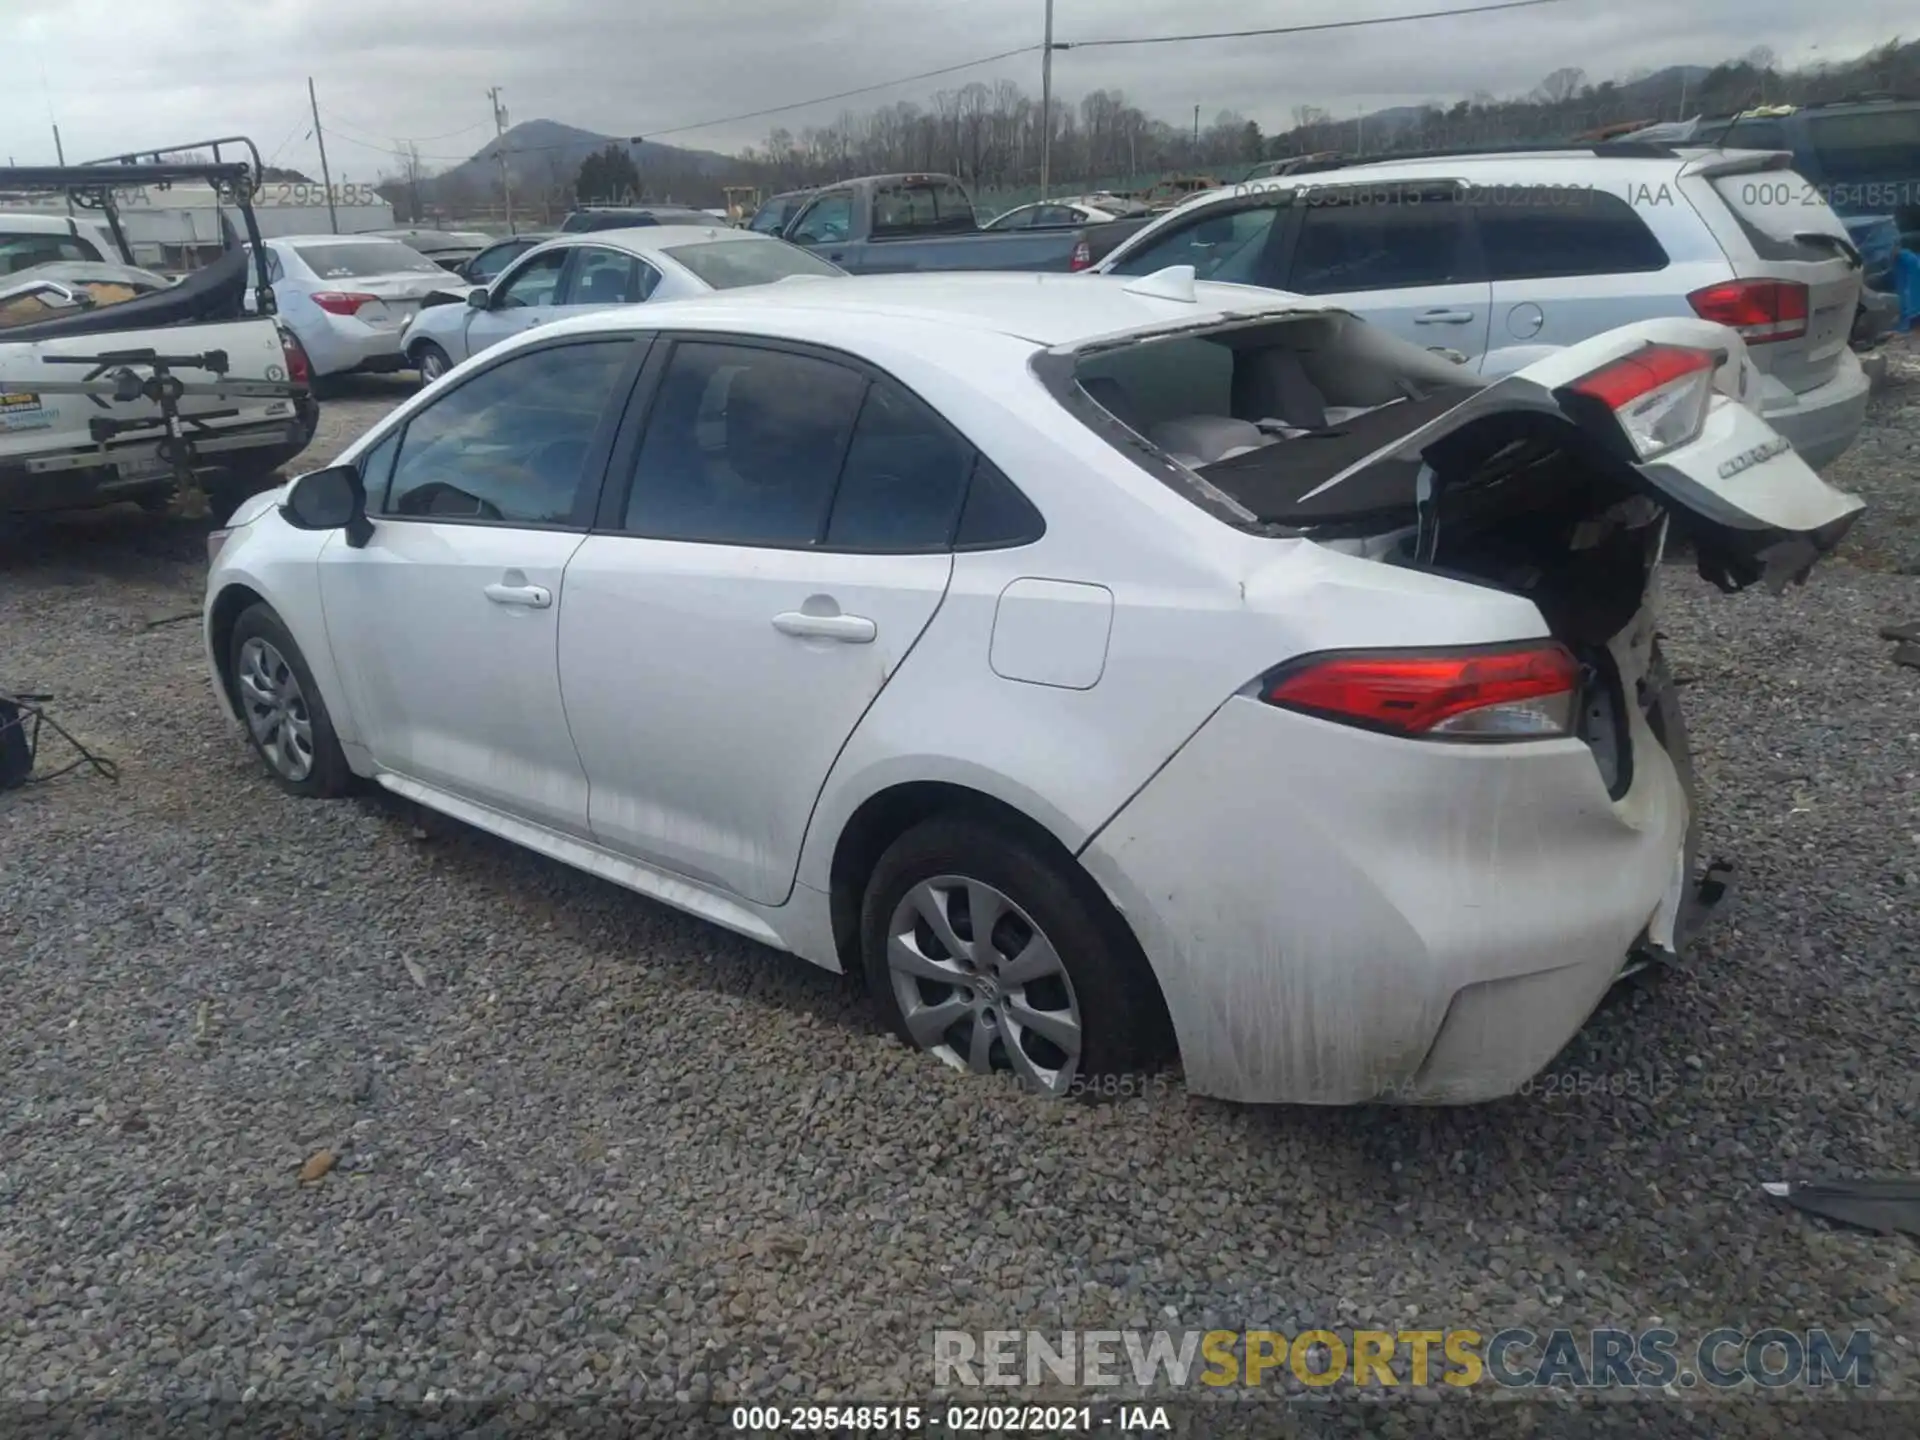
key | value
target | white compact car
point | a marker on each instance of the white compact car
(349, 297)
(1096, 666)
(1496, 259)
(573, 274)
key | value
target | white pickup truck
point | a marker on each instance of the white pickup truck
(117, 383)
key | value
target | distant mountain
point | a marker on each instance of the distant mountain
(545, 154)
(1657, 93)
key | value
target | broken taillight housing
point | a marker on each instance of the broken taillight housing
(1763, 311)
(1659, 395)
(342, 302)
(299, 368)
(1515, 692)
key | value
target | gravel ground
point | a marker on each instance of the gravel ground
(587, 1147)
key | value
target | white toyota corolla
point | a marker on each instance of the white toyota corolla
(1103, 668)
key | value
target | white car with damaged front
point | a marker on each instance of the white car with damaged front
(1100, 668)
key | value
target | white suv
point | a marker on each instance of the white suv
(1494, 259)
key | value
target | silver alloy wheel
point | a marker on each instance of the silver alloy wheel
(432, 366)
(980, 986)
(276, 709)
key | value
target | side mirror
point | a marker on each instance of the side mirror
(477, 297)
(330, 499)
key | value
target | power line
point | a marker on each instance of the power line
(1306, 29)
(1363, 23)
(861, 90)
(333, 118)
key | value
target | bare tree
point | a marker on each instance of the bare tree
(1562, 85)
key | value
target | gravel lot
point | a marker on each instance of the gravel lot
(590, 1148)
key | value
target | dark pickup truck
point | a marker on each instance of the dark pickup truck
(895, 223)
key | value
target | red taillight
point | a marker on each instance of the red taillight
(1641, 373)
(342, 302)
(1519, 693)
(1082, 257)
(1763, 311)
(1659, 395)
(299, 371)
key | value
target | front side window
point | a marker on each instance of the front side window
(828, 219)
(743, 446)
(510, 445)
(489, 263)
(1221, 244)
(1379, 240)
(535, 283)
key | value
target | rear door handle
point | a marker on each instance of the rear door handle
(1444, 317)
(853, 629)
(533, 597)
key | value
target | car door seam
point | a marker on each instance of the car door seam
(826, 776)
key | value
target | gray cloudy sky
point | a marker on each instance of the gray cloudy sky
(115, 75)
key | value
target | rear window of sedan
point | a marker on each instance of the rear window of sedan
(352, 259)
(729, 264)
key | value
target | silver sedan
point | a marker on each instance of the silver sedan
(573, 274)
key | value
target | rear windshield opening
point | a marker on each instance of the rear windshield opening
(352, 260)
(730, 264)
(1269, 413)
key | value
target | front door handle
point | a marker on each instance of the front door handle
(853, 629)
(533, 597)
(1444, 317)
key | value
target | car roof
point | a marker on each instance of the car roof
(1043, 309)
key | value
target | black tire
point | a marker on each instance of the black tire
(1108, 982)
(426, 353)
(326, 774)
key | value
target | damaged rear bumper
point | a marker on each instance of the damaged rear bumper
(1336, 916)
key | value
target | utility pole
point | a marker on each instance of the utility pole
(333, 219)
(1196, 133)
(506, 174)
(1046, 105)
(60, 154)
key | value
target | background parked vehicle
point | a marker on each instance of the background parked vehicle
(1049, 215)
(220, 399)
(629, 217)
(573, 274)
(349, 297)
(449, 248)
(896, 223)
(1494, 258)
(756, 576)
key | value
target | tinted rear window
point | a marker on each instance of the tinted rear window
(921, 207)
(729, 264)
(352, 259)
(1536, 233)
(1869, 145)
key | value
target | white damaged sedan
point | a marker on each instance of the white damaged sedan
(1106, 670)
